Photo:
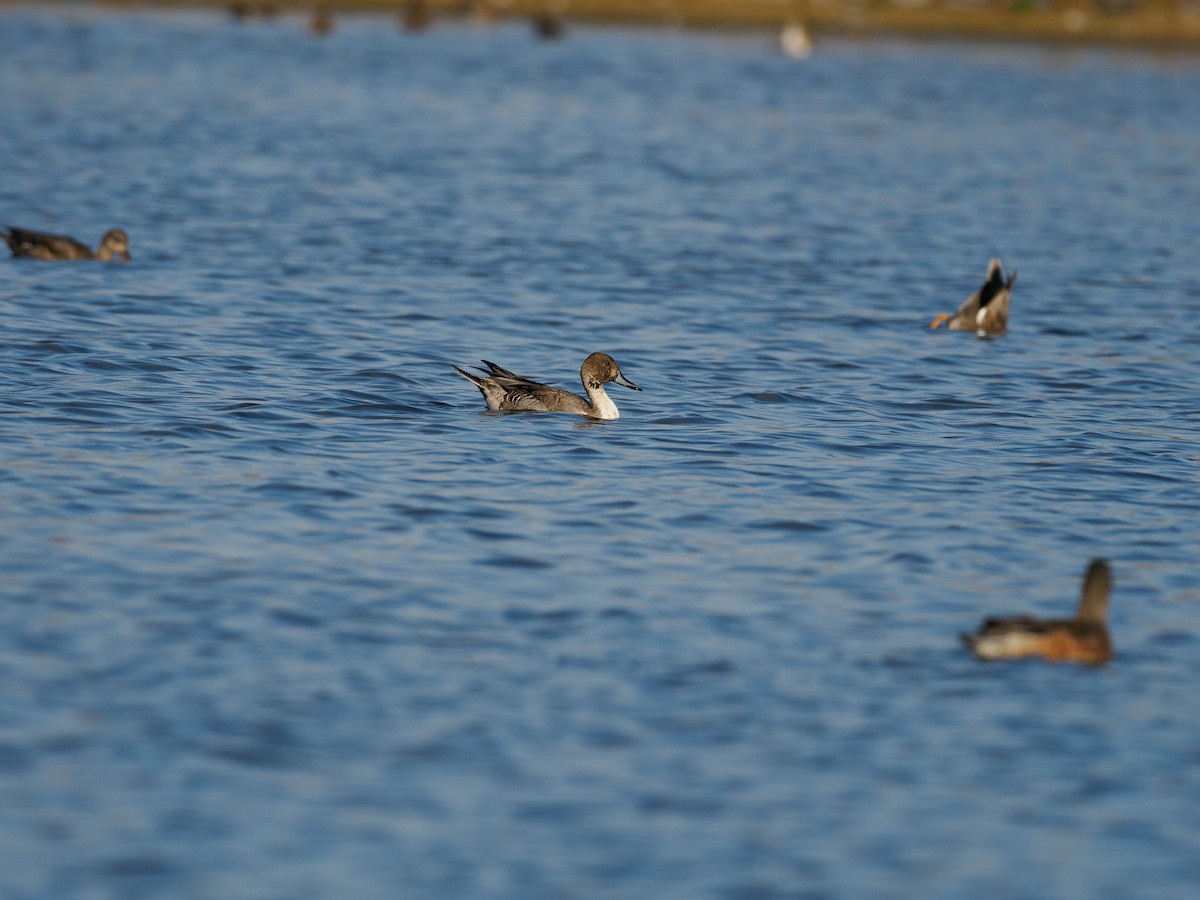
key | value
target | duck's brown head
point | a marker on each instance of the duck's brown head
(600, 368)
(114, 243)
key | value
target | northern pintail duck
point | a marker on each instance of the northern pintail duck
(37, 245)
(986, 310)
(1083, 639)
(503, 389)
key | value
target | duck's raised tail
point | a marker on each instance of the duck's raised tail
(476, 380)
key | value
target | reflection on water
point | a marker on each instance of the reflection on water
(287, 614)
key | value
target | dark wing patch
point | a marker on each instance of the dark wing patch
(992, 287)
(993, 625)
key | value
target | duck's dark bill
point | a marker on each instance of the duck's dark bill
(622, 380)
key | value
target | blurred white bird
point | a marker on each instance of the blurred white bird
(795, 42)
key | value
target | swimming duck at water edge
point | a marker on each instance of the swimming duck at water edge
(986, 311)
(505, 390)
(1083, 639)
(38, 245)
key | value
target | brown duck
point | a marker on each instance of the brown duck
(38, 245)
(986, 311)
(1083, 639)
(507, 390)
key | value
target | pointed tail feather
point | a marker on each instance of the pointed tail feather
(474, 379)
(1097, 585)
(495, 370)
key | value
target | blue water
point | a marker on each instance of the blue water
(287, 615)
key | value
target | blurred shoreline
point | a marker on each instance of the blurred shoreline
(1144, 23)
